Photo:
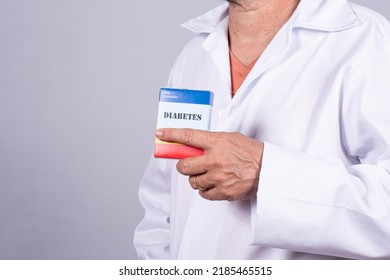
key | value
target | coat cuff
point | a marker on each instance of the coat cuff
(291, 211)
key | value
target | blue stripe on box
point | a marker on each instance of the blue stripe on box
(186, 96)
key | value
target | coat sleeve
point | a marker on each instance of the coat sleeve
(152, 236)
(320, 205)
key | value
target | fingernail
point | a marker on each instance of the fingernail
(159, 133)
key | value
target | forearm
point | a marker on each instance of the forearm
(152, 236)
(318, 205)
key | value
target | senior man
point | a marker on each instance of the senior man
(297, 165)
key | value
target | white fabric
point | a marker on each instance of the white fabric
(319, 97)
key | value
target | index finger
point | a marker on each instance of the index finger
(191, 137)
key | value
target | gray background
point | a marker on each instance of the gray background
(79, 83)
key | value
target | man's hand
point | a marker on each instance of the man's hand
(229, 168)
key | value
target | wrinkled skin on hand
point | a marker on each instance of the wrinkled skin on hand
(229, 168)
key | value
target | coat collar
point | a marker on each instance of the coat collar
(208, 22)
(321, 15)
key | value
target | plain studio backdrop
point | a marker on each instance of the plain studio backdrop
(79, 82)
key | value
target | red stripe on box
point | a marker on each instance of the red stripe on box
(176, 151)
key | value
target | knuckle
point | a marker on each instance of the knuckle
(222, 141)
(230, 196)
(182, 166)
(219, 138)
(187, 136)
(219, 179)
(206, 195)
(228, 136)
(192, 182)
(220, 162)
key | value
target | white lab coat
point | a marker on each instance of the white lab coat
(319, 97)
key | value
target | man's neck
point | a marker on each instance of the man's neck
(254, 23)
